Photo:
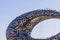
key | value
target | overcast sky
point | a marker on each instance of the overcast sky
(10, 9)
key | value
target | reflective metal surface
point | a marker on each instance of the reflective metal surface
(20, 28)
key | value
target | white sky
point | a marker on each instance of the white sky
(10, 9)
(46, 29)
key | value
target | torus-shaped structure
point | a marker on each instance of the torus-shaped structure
(20, 28)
